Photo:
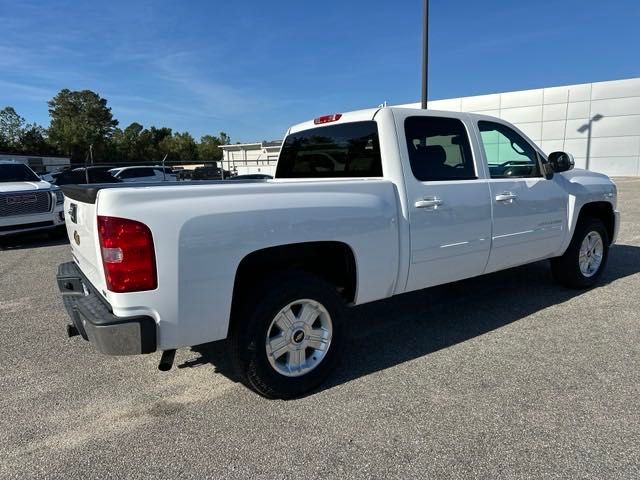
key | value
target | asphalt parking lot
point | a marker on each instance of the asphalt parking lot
(503, 376)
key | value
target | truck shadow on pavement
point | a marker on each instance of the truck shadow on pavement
(21, 241)
(400, 329)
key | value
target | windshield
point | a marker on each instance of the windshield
(17, 172)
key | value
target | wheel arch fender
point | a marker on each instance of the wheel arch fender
(601, 209)
(333, 261)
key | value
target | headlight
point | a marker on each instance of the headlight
(59, 197)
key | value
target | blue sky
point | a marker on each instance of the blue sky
(252, 68)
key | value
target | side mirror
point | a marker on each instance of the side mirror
(561, 161)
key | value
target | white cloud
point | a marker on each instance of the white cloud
(29, 92)
(180, 68)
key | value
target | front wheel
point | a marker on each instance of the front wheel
(585, 259)
(288, 342)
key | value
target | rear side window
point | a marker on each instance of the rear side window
(343, 150)
(439, 149)
(101, 176)
(127, 174)
(137, 173)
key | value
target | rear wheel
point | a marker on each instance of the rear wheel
(288, 342)
(587, 255)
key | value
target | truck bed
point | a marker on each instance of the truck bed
(202, 231)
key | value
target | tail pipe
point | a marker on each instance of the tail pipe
(166, 361)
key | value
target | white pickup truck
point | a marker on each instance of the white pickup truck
(27, 203)
(365, 205)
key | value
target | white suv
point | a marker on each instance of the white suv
(27, 202)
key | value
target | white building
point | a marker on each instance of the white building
(599, 123)
(246, 158)
(38, 163)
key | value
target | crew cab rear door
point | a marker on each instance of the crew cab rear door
(448, 199)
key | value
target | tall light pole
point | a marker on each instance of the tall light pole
(425, 53)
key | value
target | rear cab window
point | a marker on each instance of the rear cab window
(341, 150)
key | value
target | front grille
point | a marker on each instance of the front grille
(24, 203)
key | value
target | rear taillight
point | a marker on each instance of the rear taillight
(127, 255)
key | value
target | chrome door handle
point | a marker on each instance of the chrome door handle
(429, 202)
(506, 197)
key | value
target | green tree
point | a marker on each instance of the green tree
(11, 126)
(128, 145)
(208, 149)
(152, 140)
(134, 142)
(180, 147)
(80, 119)
(20, 137)
(33, 139)
(224, 139)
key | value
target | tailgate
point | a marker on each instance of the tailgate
(82, 229)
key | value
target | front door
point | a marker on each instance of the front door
(449, 206)
(529, 211)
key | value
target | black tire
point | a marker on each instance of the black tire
(252, 324)
(566, 269)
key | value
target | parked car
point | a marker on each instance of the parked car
(209, 173)
(91, 174)
(365, 205)
(28, 203)
(184, 174)
(144, 174)
(251, 176)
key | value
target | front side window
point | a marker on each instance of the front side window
(342, 150)
(508, 154)
(439, 149)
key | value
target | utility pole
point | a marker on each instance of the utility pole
(425, 53)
